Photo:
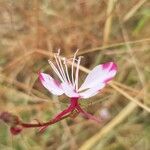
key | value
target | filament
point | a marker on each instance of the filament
(77, 73)
(56, 70)
(72, 71)
(66, 67)
(59, 67)
(63, 72)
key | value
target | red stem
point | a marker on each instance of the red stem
(32, 125)
(9, 118)
(59, 117)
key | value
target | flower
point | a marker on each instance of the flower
(68, 84)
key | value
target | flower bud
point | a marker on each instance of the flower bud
(15, 130)
(9, 118)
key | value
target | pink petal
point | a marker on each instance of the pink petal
(52, 85)
(100, 74)
(69, 90)
(92, 91)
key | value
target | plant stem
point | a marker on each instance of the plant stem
(32, 125)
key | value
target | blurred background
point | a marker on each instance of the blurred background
(103, 30)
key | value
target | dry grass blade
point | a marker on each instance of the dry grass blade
(88, 144)
(107, 28)
(113, 46)
(130, 97)
(123, 114)
(133, 10)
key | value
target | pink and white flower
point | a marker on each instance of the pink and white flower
(68, 83)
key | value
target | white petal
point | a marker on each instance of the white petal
(100, 74)
(69, 90)
(92, 91)
(52, 85)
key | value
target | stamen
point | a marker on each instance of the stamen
(58, 53)
(59, 67)
(62, 68)
(77, 73)
(66, 67)
(72, 71)
(70, 59)
(56, 70)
